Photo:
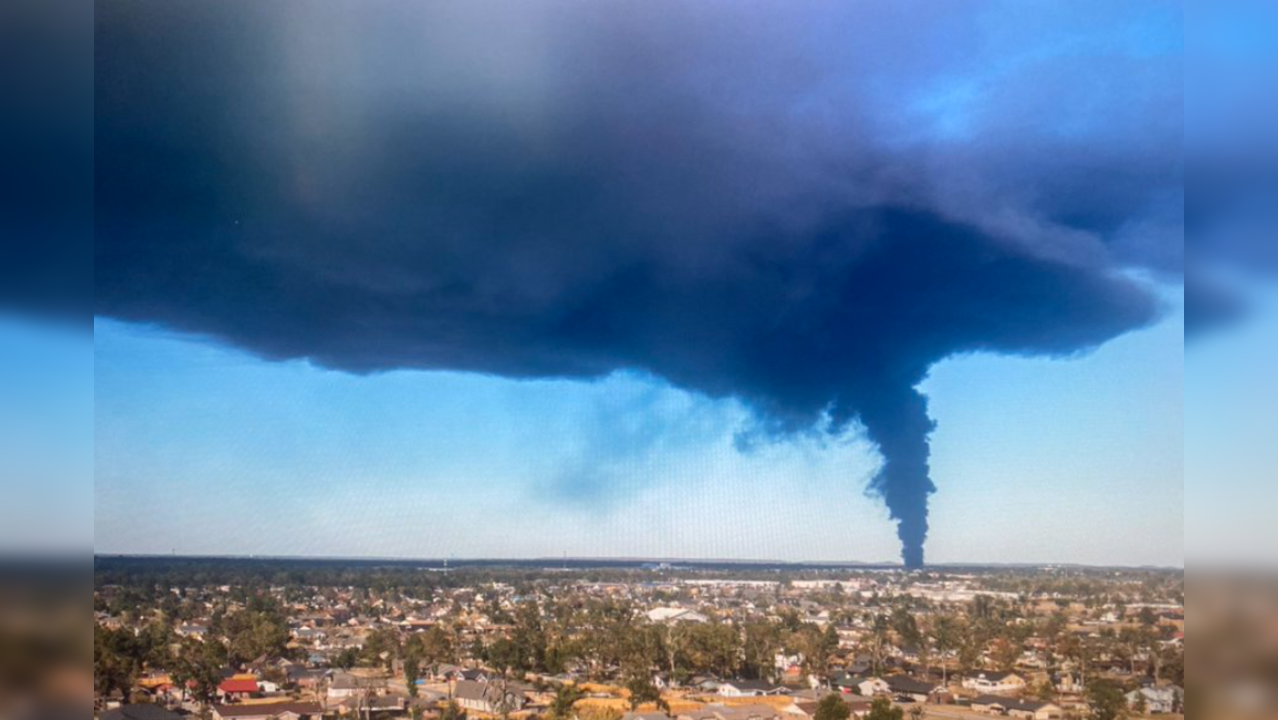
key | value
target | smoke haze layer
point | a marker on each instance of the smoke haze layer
(803, 208)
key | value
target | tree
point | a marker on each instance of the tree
(434, 645)
(503, 654)
(878, 638)
(760, 641)
(916, 712)
(452, 711)
(530, 639)
(949, 636)
(200, 667)
(883, 709)
(1106, 701)
(381, 647)
(412, 673)
(346, 659)
(642, 690)
(565, 697)
(832, 707)
(113, 668)
(1005, 653)
(1045, 691)
(905, 626)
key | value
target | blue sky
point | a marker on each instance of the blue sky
(202, 449)
(46, 436)
(1230, 459)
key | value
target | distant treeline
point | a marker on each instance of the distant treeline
(179, 571)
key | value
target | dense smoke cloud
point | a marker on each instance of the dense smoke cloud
(800, 206)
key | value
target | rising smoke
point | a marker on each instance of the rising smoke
(803, 208)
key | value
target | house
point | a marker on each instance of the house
(857, 706)
(304, 677)
(737, 712)
(446, 672)
(345, 685)
(372, 706)
(871, 687)
(238, 688)
(1011, 707)
(907, 688)
(191, 630)
(147, 711)
(1068, 682)
(1158, 700)
(494, 698)
(268, 711)
(994, 683)
(675, 615)
(704, 683)
(749, 688)
(783, 662)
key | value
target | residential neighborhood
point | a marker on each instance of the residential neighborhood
(242, 642)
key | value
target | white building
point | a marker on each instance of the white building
(994, 683)
(672, 615)
(1158, 700)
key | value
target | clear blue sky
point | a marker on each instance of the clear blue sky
(201, 449)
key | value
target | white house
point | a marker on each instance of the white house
(872, 687)
(749, 688)
(345, 685)
(994, 683)
(268, 711)
(494, 698)
(1158, 700)
(1025, 710)
(674, 615)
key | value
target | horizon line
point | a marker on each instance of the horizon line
(550, 560)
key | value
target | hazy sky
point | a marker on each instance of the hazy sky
(206, 450)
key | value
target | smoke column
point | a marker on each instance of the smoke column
(899, 425)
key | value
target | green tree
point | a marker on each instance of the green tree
(530, 639)
(503, 654)
(434, 645)
(346, 659)
(1141, 706)
(883, 709)
(381, 647)
(1045, 691)
(452, 711)
(200, 666)
(112, 669)
(878, 639)
(832, 707)
(906, 626)
(642, 690)
(412, 673)
(1106, 701)
(760, 642)
(949, 636)
(565, 697)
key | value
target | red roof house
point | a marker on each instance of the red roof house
(237, 687)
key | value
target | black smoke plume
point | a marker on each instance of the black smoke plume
(737, 200)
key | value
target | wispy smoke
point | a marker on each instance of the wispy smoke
(802, 207)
